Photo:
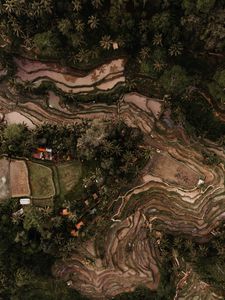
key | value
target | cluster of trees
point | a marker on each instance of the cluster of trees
(206, 257)
(38, 236)
(19, 140)
(49, 26)
(115, 147)
(112, 145)
(178, 44)
(201, 116)
(30, 243)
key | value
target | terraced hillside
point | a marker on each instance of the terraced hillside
(176, 191)
(68, 80)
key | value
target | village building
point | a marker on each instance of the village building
(25, 201)
(43, 153)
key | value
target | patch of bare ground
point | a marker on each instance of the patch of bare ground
(19, 182)
(173, 171)
(17, 118)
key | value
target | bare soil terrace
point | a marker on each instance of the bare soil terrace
(19, 183)
(173, 171)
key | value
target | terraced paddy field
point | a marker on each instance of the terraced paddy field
(41, 181)
(69, 80)
(166, 197)
(173, 171)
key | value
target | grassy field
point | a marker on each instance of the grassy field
(4, 179)
(41, 181)
(69, 175)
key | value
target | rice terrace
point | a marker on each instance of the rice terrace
(112, 158)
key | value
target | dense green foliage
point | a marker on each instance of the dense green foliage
(178, 45)
(206, 257)
(38, 236)
(174, 48)
(28, 247)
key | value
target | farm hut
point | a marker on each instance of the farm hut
(65, 212)
(79, 225)
(95, 196)
(74, 233)
(115, 46)
(24, 201)
(43, 153)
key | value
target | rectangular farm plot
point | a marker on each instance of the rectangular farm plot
(172, 171)
(4, 179)
(19, 182)
(41, 181)
(69, 174)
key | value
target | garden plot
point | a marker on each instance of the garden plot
(19, 182)
(173, 171)
(69, 174)
(41, 181)
(4, 179)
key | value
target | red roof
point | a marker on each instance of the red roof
(41, 149)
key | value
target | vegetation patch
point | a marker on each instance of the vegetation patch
(4, 179)
(69, 175)
(41, 181)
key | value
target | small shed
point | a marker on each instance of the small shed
(79, 225)
(24, 201)
(115, 46)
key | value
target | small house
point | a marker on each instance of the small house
(24, 201)
(43, 153)
(74, 233)
(65, 212)
(79, 225)
(95, 196)
(115, 46)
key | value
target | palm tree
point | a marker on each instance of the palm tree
(64, 26)
(41, 7)
(9, 6)
(93, 22)
(175, 49)
(158, 65)
(82, 56)
(79, 25)
(157, 39)
(77, 6)
(131, 84)
(143, 26)
(77, 40)
(16, 28)
(108, 147)
(94, 53)
(144, 53)
(120, 41)
(96, 3)
(106, 42)
(28, 86)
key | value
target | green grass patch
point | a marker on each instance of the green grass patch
(41, 181)
(69, 175)
(56, 180)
